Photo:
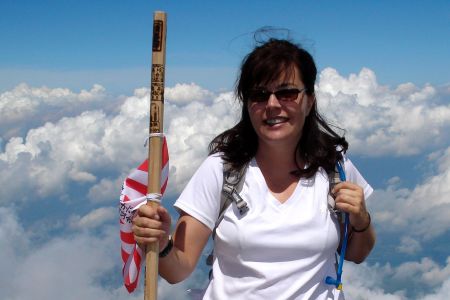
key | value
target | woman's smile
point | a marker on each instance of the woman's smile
(275, 121)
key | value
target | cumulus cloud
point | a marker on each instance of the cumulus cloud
(106, 189)
(56, 153)
(77, 149)
(422, 212)
(426, 272)
(26, 107)
(183, 93)
(23, 101)
(90, 151)
(380, 120)
(86, 265)
(409, 245)
(71, 267)
(94, 219)
(84, 148)
(77, 266)
(440, 293)
(410, 280)
(191, 128)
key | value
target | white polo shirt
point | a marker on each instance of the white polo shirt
(276, 250)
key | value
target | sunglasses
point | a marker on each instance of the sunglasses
(262, 95)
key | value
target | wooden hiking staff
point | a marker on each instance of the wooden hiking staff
(155, 144)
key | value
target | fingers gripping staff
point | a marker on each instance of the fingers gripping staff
(338, 281)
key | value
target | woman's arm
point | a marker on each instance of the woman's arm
(189, 240)
(350, 199)
(360, 245)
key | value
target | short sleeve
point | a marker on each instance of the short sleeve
(354, 176)
(201, 196)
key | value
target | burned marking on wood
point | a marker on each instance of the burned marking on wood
(157, 35)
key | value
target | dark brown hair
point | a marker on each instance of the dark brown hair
(319, 145)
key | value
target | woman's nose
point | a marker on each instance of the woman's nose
(273, 101)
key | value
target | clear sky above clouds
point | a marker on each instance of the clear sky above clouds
(75, 42)
(74, 113)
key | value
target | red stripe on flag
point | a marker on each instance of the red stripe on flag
(143, 166)
(127, 237)
(141, 188)
(132, 286)
(163, 188)
(137, 258)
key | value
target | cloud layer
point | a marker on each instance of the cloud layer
(380, 120)
(74, 149)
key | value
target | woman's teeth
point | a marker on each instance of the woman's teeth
(274, 121)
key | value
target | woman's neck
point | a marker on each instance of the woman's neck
(276, 165)
(279, 158)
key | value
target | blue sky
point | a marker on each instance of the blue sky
(73, 116)
(399, 40)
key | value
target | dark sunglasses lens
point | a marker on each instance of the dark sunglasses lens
(259, 96)
(287, 94)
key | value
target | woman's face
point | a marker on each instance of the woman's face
(279, 120)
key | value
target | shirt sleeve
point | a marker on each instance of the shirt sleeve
(354, 176)
(201, 196)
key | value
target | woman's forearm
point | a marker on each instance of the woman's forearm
(175, 267)
(360, 244)
(189, 240)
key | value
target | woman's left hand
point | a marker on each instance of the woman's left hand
(350, 198)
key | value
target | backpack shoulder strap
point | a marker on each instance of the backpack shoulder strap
(233, 181)
(334, 178)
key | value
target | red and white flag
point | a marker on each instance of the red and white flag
(133, 195)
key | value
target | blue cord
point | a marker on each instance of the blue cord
(338, 281)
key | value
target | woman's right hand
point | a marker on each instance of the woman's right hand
(150, 225)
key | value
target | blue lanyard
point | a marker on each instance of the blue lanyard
(330, 280)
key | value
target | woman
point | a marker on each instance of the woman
(284, 246)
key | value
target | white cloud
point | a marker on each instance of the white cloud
(94, 219)
(106, 190)
(410, 280)
(86, 265)
(25, 107)
(409, 245)
(183, 93)
(77, 149)
(441, 293)
(383, 121)
(24, 101)
(422, 212)
(71, 267)
(94, 150)
(55, 154)
(189, 131)
(424, 272)
(78, 266)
